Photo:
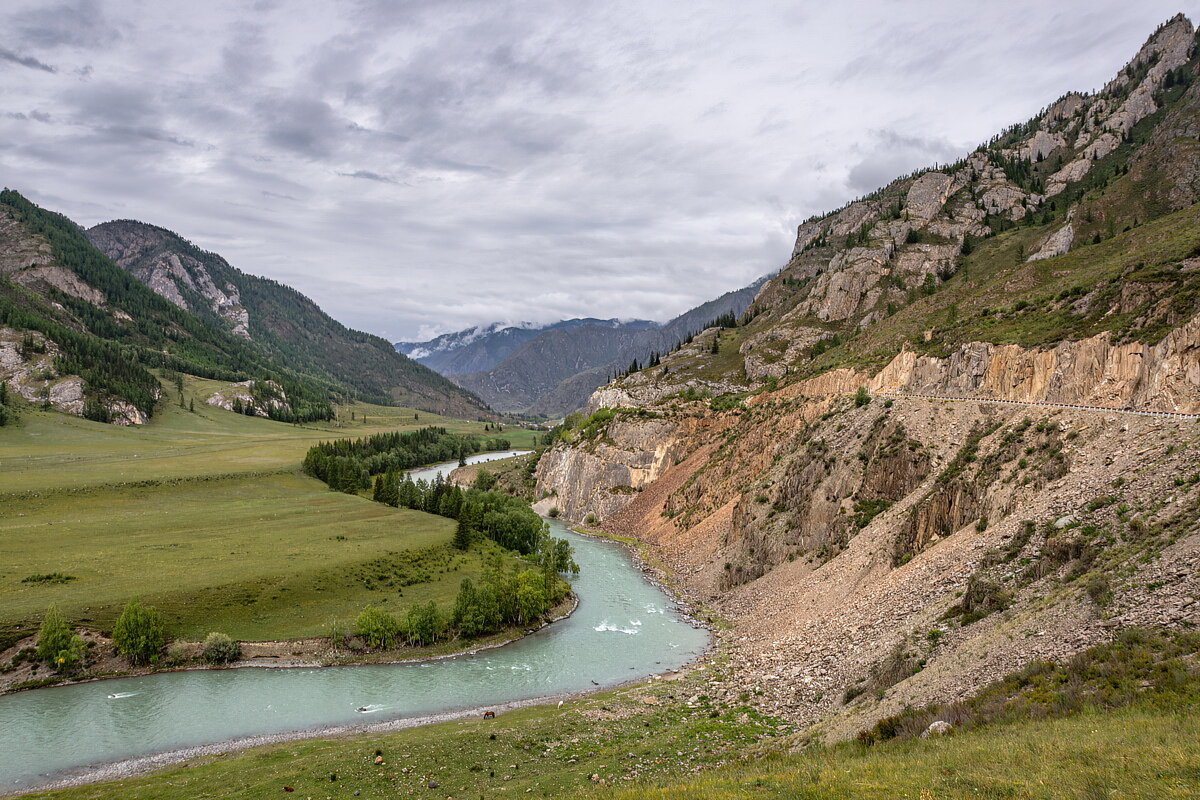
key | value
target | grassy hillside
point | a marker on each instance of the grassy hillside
(48, 450)
(1135, 285)
(266, 557)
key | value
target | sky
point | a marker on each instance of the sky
(420, 166)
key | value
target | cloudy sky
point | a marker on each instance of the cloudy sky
(418, 166)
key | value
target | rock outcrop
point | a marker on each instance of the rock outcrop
(144, 251)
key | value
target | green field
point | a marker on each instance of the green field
(206, 515)
(269, 557)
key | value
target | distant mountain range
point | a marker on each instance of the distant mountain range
(551, 369)
(483, 347)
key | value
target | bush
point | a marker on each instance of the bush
(484, 480)
(220, 649)
(376, 627)
(178, 653)
(58, 646)
(476, 611)
(862, 397)
(139, 634)
(1099, 589)
(983, 597)
(554, 512)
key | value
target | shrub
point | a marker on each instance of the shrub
(376, 627)
(139, 634)
(1099, 589)
(178, 653)
(591, 519)
(220, 649)
(554, 512)
(862, 397)
(484, 480)
(58, 646)
(982, 597)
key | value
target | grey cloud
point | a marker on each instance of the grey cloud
(894, 154)
(76, 23)
(25, 61)
(558, 158)
(300, 125)
(369, 176)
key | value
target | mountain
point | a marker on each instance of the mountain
(955, 433)
(286, 326)
(80, 333)
(552, 370)
(480, 348)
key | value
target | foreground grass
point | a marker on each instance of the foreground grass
(1142, 752)
(1148, 750)
(262, 557)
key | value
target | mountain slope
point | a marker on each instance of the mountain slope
(277, 320)
(947, 441)
(78, 333)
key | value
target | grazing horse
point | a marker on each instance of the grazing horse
(489, 715)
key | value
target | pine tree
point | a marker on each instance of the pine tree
(462, 535)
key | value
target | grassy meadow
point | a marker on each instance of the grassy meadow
(206, 515)
(48, 450)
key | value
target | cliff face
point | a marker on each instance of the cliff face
(849, 534)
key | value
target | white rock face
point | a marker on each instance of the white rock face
(1058, 243)
(927, 195)
(241, 392)
(35, 379)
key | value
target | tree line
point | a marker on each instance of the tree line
(348, 464)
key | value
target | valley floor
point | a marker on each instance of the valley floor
(206, 516)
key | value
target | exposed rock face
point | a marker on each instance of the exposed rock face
(27, 259)
(1056, 244)
(1093, 371)
(141, 249)
(33, 376)
(257, 398)
(602, 477)
(927, 195)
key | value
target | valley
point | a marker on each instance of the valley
(915, 514)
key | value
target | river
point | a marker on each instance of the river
(624, 628)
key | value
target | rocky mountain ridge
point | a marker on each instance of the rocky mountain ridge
(81, 334)
(874, 548)
(287, 326)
